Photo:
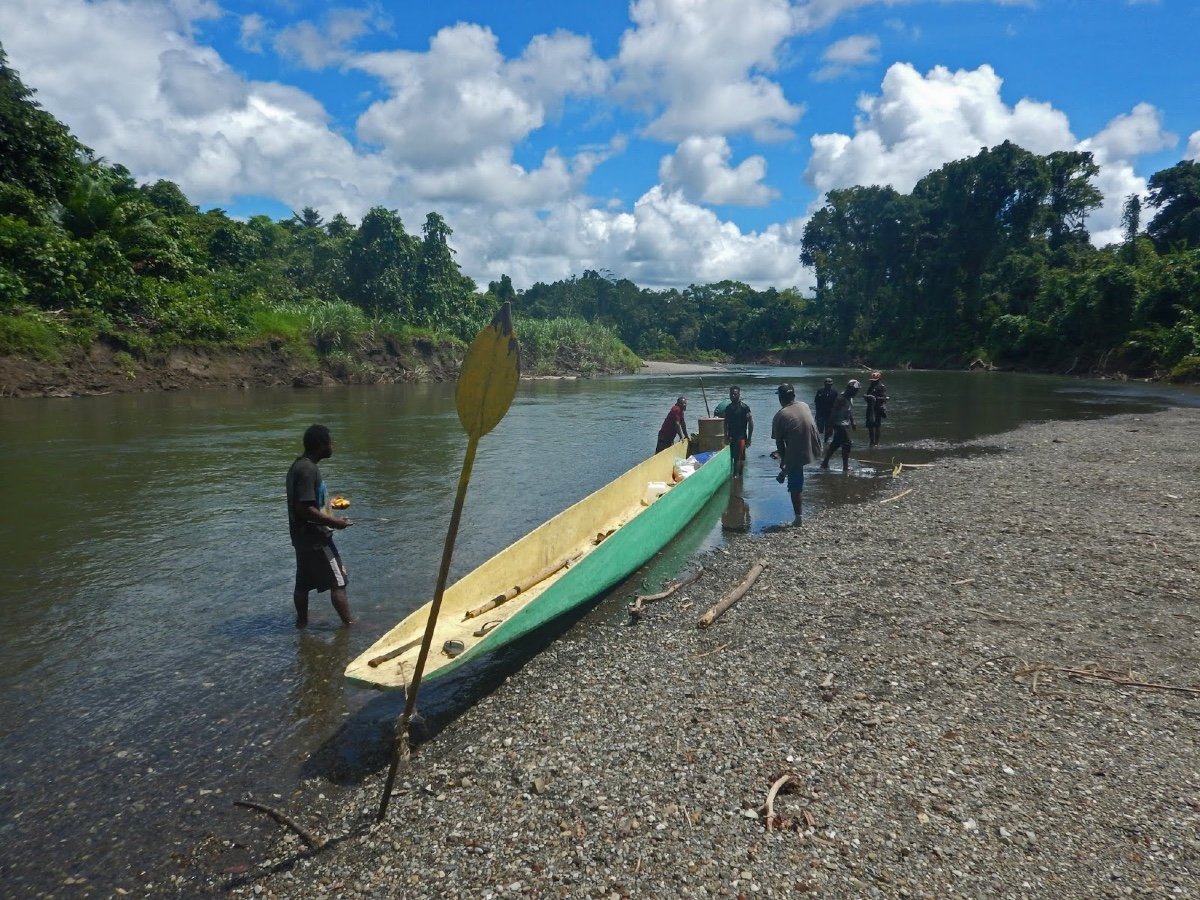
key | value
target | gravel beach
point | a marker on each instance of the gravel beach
(984, 686)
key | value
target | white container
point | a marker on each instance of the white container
(654, 490)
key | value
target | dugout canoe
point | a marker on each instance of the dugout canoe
(564, 562)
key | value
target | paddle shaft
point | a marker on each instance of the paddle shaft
(435, 607)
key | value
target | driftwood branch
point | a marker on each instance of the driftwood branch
(520, 588)
(733, 596)
(775, 789)
(906, 465)
(898, 496)
(1114, 677)
(712, 651)
(640, 600)
(313, 841)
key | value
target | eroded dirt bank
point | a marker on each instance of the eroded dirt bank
(102, 369)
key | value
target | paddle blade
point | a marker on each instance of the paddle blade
(488, 380)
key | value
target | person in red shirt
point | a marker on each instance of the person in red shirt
(673, 426)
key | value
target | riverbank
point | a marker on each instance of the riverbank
(104, 369)
(919, 666)
(658, 367)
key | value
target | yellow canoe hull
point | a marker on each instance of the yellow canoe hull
(605, 536)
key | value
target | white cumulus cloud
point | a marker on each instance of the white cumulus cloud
(846, 55)
(453, 106)
(700, 168)
(315, 45)
(1115, 149)
(1193, 147)
(700, 67)
(917, 123)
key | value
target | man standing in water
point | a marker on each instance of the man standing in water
(876, 399)
(673, 426)
(739, 429)
(798, 443)
(823, 406)
(319, 567)
(842, 420)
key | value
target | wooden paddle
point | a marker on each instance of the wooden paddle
(487, 384)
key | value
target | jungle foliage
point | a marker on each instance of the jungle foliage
(988, 257)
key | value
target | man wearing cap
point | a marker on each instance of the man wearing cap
(823, 406)
(875, 397)
(842, 419)
(739, 429)
(798, 442)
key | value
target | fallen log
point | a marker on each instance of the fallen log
(733, 596)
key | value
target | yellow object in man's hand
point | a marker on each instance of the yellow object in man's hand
(339, 502)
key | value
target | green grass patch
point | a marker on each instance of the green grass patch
(558, 346)
(32, 334)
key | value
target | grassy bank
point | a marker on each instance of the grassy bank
(301, 344)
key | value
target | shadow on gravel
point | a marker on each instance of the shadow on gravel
(363, 744)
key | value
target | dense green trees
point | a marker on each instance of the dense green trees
(86, 252)
(989, 257)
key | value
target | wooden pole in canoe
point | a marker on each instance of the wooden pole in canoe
(518, 589)
(487, 384)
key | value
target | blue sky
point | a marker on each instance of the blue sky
(667, 141)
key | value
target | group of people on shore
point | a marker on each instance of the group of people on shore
(802, 434)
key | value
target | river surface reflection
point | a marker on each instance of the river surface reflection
(151, 673)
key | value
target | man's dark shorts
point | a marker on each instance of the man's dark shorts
(795, 480)
(841, 438)
(319, 569)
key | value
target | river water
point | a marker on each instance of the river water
(151, 673)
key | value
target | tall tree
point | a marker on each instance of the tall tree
(381, 265)
(1175, 193)
(308, 218)
(1072, 195)
(37, 152)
